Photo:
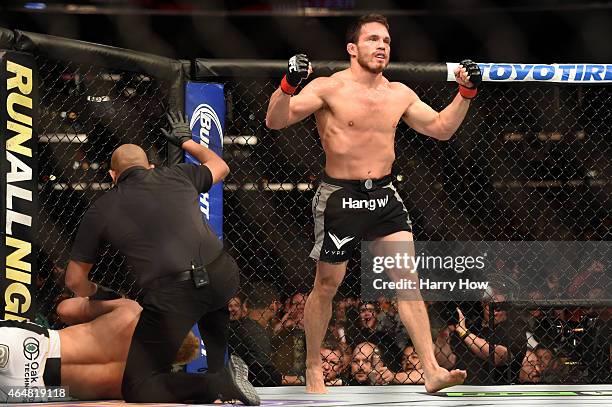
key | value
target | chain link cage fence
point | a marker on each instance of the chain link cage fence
(87, 112)
(531, 162)
(93, 98)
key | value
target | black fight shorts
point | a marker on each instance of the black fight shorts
(347, 212)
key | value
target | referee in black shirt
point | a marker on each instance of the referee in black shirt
(153, 217)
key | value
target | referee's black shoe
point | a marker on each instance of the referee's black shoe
(240, 388)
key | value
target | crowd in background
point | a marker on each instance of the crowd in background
(367, 344)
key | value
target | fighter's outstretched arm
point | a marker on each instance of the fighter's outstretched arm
(80, 310)
(284, 109)
(444, 124)
(422, 118)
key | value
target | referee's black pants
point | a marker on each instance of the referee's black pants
(168, 314)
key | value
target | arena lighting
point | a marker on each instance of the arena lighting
(35, 6)
(306, 8)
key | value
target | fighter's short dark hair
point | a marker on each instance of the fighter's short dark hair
(352, 34)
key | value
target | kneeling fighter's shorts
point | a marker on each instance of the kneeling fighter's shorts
(30, 355)
(346, 212)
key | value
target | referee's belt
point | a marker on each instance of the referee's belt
(173, 278)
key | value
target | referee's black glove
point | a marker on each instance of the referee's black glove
(179, 129)
(104, 294)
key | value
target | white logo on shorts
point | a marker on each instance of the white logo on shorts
(369, 204)
(339, 242)
(4, 356)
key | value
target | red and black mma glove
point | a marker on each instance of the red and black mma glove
(474, 76)
(297, 70)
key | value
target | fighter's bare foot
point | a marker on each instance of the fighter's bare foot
(314, 380)
(442, 378)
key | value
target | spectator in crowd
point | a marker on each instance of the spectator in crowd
(249, 337)
(342, 305)
(386, 312)
(337, 323)
(536, 295)
(368, 312)
(553, 285)
(535, 318)
(504, 343)
(366, 358)
(294, 314)
(587, 279)
(290, 340)
(337, 334)
(389, 321)
(411, 367)
(596, 293)
(410, 359)
(443, 349)
(333, 363)
(365, 329)
(367, 368)
(537, 365)
(237, 307)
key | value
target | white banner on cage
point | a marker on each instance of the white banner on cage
(558, 73)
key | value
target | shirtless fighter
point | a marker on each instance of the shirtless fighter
(89, 356)
(357, 111)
